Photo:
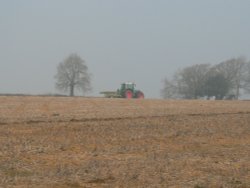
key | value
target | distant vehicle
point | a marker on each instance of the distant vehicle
(127, 90)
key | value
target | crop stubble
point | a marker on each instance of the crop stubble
(95, 142)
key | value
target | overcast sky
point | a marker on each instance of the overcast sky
(121, 40)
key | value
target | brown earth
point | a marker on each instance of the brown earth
(79, 142)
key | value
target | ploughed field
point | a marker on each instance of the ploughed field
(95, 142)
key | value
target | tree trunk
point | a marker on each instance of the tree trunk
(237, 91)
(71, 90)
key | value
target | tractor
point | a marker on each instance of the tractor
(127, 91)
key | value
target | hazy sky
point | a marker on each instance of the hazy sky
(121, 40)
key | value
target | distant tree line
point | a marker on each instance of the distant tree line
(225, 80)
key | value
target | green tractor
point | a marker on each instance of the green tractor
(127, 91)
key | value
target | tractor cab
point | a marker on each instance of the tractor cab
(128, 85)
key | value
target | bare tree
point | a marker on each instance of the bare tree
(187, 83)
(236, 71)
(73, 74)
(191, 80)
(216, 85)
(170, 90)
(225, 79)
(247, 78)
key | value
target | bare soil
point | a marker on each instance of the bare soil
(88, 142)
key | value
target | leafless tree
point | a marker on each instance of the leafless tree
(223, 80)
(247, 78)
(73, 74)
(236, 71)
(187, 83)
(191, 80)
(170, 90)
(216, 85)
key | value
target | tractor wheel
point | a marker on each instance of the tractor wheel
(128, 94)
(140, 95)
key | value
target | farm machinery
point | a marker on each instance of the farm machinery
(127, 90)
